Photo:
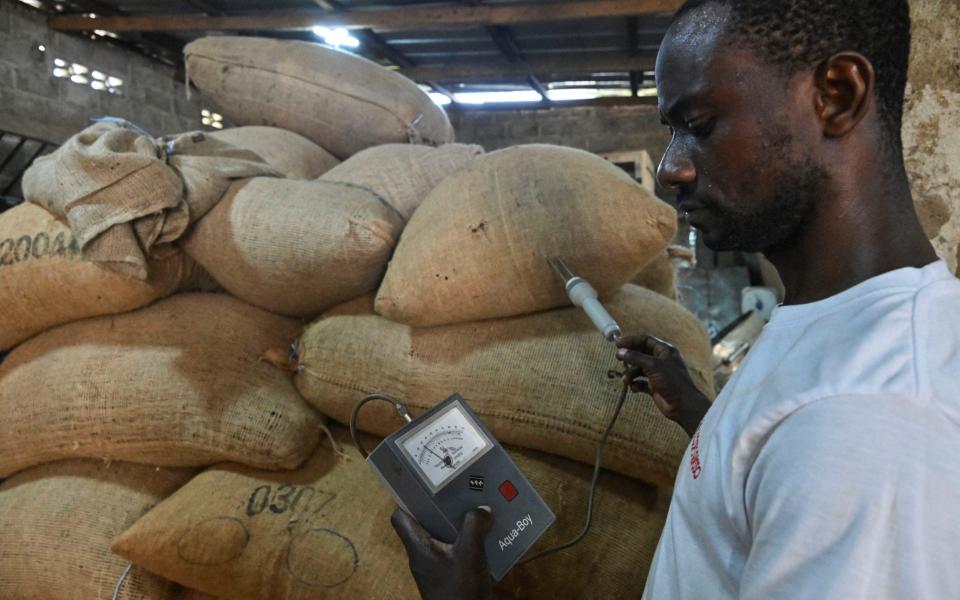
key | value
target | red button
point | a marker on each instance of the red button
(508, 490)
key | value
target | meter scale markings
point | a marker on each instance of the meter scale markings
(444, 449)
(446, 444)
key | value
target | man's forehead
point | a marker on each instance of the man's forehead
(702, 23)
(696, 59)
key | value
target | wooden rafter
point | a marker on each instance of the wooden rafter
(509, 48)
(440, 88)
(596, 102)
(538, 87)
(162, 45)
(327, 4)
(369, 38)
(633, 35)
(521, 69)
(505, 42)
(204, 7)
(422, 16)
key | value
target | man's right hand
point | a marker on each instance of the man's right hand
(656, 367)
(443, 571)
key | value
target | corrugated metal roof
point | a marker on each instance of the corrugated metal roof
(555, 46)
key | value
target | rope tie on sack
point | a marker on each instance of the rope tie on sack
(333, 443)
(124, 123)
(294, 357)
(116, 590)
(413, 134)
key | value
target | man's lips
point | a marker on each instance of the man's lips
(688, 207)
(694, 212)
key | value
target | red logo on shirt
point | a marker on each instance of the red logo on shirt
(695, 467)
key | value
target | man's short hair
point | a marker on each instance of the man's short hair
(798, 34)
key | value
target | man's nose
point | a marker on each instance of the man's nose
(676, 170)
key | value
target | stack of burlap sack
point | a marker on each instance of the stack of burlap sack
(160, 439)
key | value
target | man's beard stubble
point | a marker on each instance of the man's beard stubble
(778, 222)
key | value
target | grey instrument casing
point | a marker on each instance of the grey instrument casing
(518, 523)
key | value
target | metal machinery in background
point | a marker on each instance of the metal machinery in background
(17, 152)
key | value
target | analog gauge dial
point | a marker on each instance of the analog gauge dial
(444, 445)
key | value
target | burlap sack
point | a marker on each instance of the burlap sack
(208, 166)
(659, 276)
(290, 153)
(539, 381)
(45, 282)
(403, 174)
(57, 522)
(177, 384)
(296, 247)
(324, 532)
(477, 246)
(126, 195)
(339, 100)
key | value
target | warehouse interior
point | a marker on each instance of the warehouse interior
(200, 356)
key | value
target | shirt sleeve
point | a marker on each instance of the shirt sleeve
(842, 502)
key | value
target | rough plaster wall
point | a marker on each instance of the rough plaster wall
(931, 132)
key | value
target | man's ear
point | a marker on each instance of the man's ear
(845, 86)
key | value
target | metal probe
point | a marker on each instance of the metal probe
(583, 295)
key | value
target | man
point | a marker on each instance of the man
(829, 466)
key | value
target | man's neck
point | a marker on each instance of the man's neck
(854, 236)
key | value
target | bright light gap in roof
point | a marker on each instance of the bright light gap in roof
(495, 97)
(567, 94)
(83, 75)
(33, 3)
(439, 99)
(336, 37)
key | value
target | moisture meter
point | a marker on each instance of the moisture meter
(445, 463)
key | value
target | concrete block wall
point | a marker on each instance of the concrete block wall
(36, 104)
(595, 128)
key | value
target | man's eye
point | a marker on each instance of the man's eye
(700, 128)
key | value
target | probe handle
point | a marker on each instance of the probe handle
(584, 296)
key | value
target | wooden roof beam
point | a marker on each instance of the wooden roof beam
(416, 16)
(508, 46)
(597, 102)
(633, 36)
(538, 87)
(523, 68)
(369, 38)
(505, 42)
(327, 5)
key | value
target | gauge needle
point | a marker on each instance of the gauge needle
(446, 459)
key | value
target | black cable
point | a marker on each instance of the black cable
(593, 486)
(398, 406)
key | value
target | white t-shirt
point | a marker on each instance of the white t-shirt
(829, 466)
